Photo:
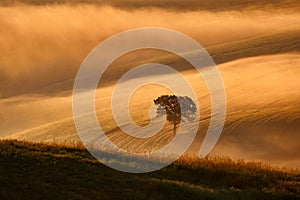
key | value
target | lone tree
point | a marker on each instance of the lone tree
(176, 108)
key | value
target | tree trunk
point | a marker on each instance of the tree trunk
(174, 128)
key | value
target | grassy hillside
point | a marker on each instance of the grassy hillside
(41, 171)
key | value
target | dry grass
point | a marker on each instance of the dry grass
(39, 170)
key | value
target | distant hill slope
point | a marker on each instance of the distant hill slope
(41, 171)
(188, 5)
(268, 44)
(280, 42)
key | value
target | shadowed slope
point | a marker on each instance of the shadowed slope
(281, 42)
(177, 5)
(41, 171)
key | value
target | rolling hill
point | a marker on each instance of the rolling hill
(265, 124)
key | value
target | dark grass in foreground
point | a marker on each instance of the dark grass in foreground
(41, 171)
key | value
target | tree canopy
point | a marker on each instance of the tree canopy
(176, 108)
